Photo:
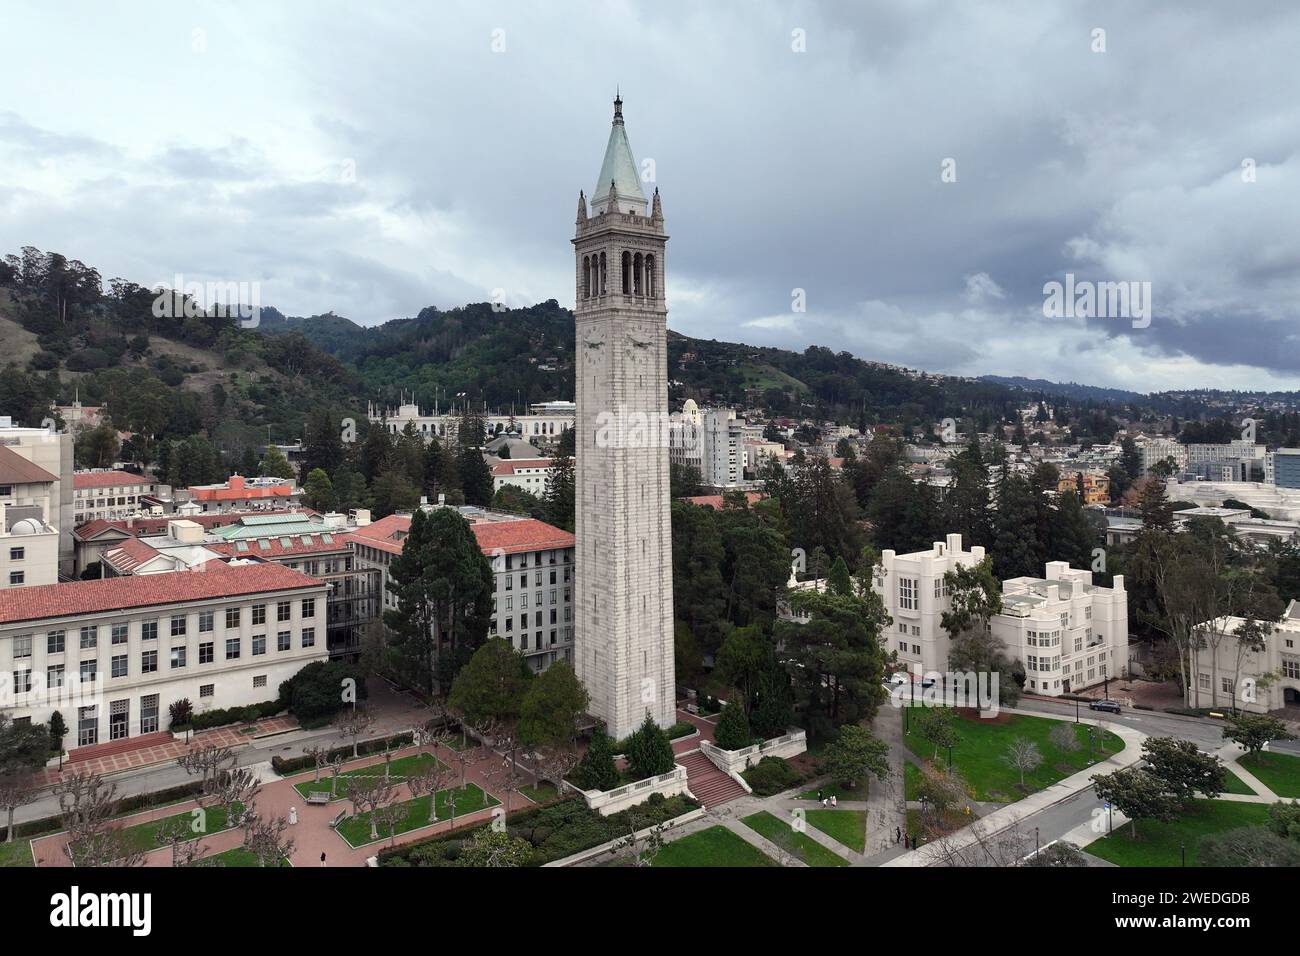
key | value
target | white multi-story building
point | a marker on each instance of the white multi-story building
(711, 440)
(1156, 450)
(532, 563)
(50, 451)
(107, 494)
(1227, 672)
(1068, 633)
(545, 421)
(29, 542)
(531, 474)
(111, 655)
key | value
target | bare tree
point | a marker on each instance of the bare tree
(643, 850)
(1023, 755)
(186, 848)
(554, 764)
(507, 778)
(388, 815)
(354, 723)
(88, 804)
(981, 845)
(336, 767)
(17, 789)
(1064, 739)
(320, 758)
(429, 782)
(236, 792)
(266, 838)
(368, 795)
(208, 762)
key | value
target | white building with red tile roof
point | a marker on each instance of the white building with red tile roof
(29, 541)
(111, 655)
(532, 564)
(51, 452)
(238, 493)
(531, 474)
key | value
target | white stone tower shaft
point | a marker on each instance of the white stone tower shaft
(623, 594)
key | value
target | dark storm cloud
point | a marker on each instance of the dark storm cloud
(373, 160)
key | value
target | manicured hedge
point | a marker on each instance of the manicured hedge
(555, 831)
(288, 766)
(131, 804)
(771, 775)
(224, 716)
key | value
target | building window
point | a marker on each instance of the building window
(87, 726)
(149, 630)
(22, 646)
(119, 713)
(1203, 681)
(89, 670)
(283, 641)
(907, 593)
(54, 642)
(54, 675)
(89, 637)
(119, 633)
(178, 625)
(259, 614)
(148, 662)
(283, 611)
(205, 621)
(308, 607)
(178, 657)
(22, 681)
(16, 554)
(206, 690)
(118, 666)
(17, 577)
(205, 652)
(232, 618)
(259, 645)
(309, 636)
(232, 648)
(259, 680)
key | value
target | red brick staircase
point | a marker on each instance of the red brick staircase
(124, 745)
(710, 785)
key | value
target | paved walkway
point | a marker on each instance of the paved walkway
(312, 834)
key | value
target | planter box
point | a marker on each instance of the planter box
(609, 802)
(734, 761)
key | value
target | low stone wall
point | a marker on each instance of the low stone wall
(609, 802)
(595, 851)
(734, 761)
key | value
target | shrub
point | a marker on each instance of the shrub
(131, 804)
(222, 716)
(316, 690)
(596, 770)
(288, 766)
(772, 775)
(181, 713)
(733, 731)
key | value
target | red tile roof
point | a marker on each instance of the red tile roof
(505, 537)
(130, 554)
(42, 601)
(17, 470)
(314, 545)
(109, 479)
(509, 466)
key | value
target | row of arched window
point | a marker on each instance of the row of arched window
(638, 274)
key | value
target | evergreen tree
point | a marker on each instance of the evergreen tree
(443, 584)
(318, 491)
(349, 488)
(1015, 546)
(1073, 538)
(551, 706)
(649, 751)
(475, 477)
(596, 770)
(322, 443)
(275, 465)
(559, 503)
(699, 594)
(393, 492)
(492, 686)
(839, 581)
(773, 713)
(732, 731)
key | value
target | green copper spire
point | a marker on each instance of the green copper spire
(618, 169)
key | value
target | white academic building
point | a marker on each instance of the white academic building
(545, 421)
(711, 440)
(1224, 672)
(112, 655)
(34, 456)
(1068, 633)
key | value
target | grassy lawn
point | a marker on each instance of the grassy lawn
(356, 829)
(1234, 784)
(716, 846)
(847, 826)
(540, 793)
(238, 857)
(911, 780)
(18, 853)
(799, 845)
(839, 791)
(1159, 844)
(144, 836)
(980, 754)
(398, 771)
(1279, 772)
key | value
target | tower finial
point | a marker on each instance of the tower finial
(582, 207)
(618, 107)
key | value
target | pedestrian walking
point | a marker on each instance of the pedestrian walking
(898, 834)
(834, 801)
(819, 794)
(322, 857)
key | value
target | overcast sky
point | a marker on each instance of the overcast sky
(374, 158)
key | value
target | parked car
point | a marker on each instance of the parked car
(1110, 706)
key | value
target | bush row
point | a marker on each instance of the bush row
(131, 804)
(772, 775)
(288, 766)
(555, 831)
(223, 716)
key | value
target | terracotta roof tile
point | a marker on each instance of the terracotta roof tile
(17, 470)
(108, 479)
(507, 537)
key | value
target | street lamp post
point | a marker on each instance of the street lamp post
(1035, 842)
(1076, 710)
(950, 756)
(1183, 848)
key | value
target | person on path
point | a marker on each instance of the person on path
(834, 801)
